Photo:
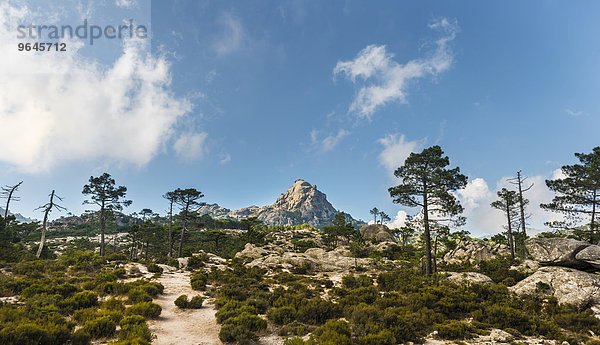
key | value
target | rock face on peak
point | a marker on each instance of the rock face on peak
(301, 203)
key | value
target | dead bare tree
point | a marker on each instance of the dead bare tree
(48, 207)
(519, 181)
(8, 194)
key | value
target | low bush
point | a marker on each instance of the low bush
(282, 315)
(455, 330)
(198, 281)
(195, 262)
(182, 302)
(148, 310)
(196, 302)
(154, 268)
(102, 327)
(133, 327)
(138, 295)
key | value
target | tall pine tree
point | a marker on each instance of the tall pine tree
(427, 182)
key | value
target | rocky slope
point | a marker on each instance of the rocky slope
(301, 203)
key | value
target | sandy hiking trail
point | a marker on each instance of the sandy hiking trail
(178, 326)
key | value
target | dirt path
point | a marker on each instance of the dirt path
(182, 327)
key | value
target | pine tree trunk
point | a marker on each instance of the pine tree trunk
(170, 229)
(185, 213)
(510, 235)
(428, 270)
(102, 222)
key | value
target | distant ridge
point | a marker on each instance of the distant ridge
(20, 218)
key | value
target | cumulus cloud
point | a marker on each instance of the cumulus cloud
(475, 191)
(399, 220)
(396, 149)
(190, 146)
(383, 80)
(327, 143)
(484, 220)
(232, 34)
(59, 106)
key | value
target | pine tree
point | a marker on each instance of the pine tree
(427, 183)
(578, 194)
(105, 195)
(187, 199)
(508, 203)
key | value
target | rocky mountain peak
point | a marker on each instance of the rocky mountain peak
(301, 203)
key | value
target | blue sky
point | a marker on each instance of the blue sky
(239, 99)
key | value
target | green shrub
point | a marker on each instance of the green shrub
(138, 295)
(294, 328)
(133, 327)
(182, 302)
(249, 321)
(506, 317)
(195, 302)
(146, 309)
(454, 330)
(80, 337)
(235, 333)
(316, 311)
(282, 315)
(198, 281)
(102, 327)
(113, 304)
(173, 262)
(195, 262)
(80, 300)
(333, 332)
(116, 257)
(383, 337)
(154, 268)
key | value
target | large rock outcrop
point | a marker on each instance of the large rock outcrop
(468, 278)
(557, 251)
(377, 233)
(474, 251)
(568, 285)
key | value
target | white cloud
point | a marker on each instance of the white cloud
(482, 219)
(389, 80)
(225, 158)
(399, 220)
(573, 113)
(329, 142)
(232, 35)
(126, 3)
(190, 146)
(476, 191)
(558, 174)
(396, 150)
(58, 106)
